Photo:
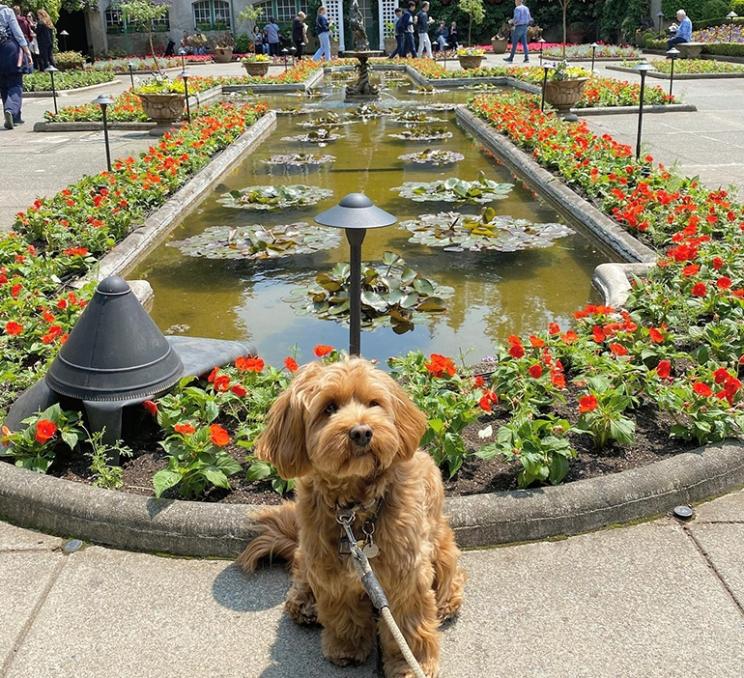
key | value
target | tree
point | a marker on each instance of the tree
(252, 14)
(142, 13)
(475, 11)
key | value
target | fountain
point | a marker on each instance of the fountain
(362, 89)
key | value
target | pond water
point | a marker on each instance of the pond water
(495, 294)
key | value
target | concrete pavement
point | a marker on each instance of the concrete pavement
(657, 599)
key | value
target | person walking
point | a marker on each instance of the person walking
(323, 31)
(23, 23)
(271, 30)
(407, 25)
(684, 30)
(14, 52)
(299, 34)
(520, 23)
(398, 51)
(45, 38)
(422, 28)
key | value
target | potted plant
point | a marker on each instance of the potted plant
(498, 44)
(223, 49)
(256, 64)
(163, 101)
(564, 88)
(390, 44)
(470, 57)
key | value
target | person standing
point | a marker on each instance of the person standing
(45, 37)
(684, 30)
(398, 51)
(299, 34)
(407, 24)
(271, 30)
(453, 43)
(520, 23)
(34, 44)
(23, 23)
(13, 51)
(422, 28)
(323, 31)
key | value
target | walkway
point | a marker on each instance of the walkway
(657, 599)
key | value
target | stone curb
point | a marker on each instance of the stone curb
(680, 76)
(69, 92)
(556, 192)
(68, 509)
(627, 110)
(581, 60)
(310, 82)
(164, 219)
(612, 280)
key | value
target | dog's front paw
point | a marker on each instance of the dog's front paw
(300, 606)
(402, 670)
(343, 653)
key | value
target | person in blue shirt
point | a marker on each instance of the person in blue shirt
(13, 51)
(271, 31)
(323, 31)
(521, 22)
(407, 25)
(398, 34)
(441, 35)
(684, 30)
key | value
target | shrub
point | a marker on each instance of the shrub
(738, 7)
(725, 49)
(69, 61)
(715, 9)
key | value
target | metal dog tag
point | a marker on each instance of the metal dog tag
(370, 550)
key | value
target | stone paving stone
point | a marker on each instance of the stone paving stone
(635, 602)
(14, 538)
(23, 576)
(727, 508)
(724, 546)
(132, 615)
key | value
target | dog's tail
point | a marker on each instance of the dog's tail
(278, 537)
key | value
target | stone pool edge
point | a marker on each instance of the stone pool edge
(116, 519)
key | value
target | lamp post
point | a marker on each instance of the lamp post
(542, 46)
(130, 65)
(355, 214)
(672, 54)
(182, 54)
(546, 68)
(660, 17)
(63, 34)
(104, 102)
(594, 51)
(731, 16)
(285, 51)
(642, 68)
(185, 78)
(52, 70)
(444, 54)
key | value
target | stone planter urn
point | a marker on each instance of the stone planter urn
(689, 50)
(564, 94)
(164, 109)
(256, 68)
(470, 62)
(498, 45)
(390, 45)
(223, 55)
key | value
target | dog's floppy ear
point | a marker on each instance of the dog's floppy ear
(409, 419)
(283, 440)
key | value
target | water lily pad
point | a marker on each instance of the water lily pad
(325, 121)
(258, 242)
(482, 190)
(274, 197)
(366, 111)
(392, 292)
(299, 160)
(457, 232)
(416, 117)
(433, 157)
(316, 136)
(422, 134)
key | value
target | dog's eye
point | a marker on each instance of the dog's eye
(331, 408)
(374, 403)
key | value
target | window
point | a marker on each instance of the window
(116, 23)
(162, 25)
(211, 15)
(285, 10)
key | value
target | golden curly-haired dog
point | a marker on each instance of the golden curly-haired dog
(350, 434)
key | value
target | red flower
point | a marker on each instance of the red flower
(291, 364)
(717, 263)
(570, 337)
(488, 400)
(702, 389)
(239, 390)
(656, 336)
(479, 381)
(535, 371)
(618, 349)
(221, 383)
(440, 365)
(558, 379)
(219, 435)
(598, 334)
(322, 350)
(587, 403)
(536, 342)
(690, 270)
(720, 375)
(151, 407)
(213, 374)
(45, 431)
(699, 289)
(248, 364)
(664, 369)
(723, 283)
(184, 429)
(13, 328)
(76, 251)
(554, 328)
(516, 351)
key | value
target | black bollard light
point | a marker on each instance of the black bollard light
(672, 54)
(285, 52)
(63, 34)
(293, 52)
(130, 65)
(594, 51)
(52, 70)
(185, 78)
(104, 102)
(642, 68)
(355, 214)
(660, 17)
(731, 16)
(182, 54)
(546, 68)
(444, 54)
(542, 47)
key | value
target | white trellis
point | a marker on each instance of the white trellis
(386, 13)
(335, 12)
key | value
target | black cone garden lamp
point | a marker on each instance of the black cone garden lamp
(355, 214)
(104, 102)
(643, 69)
(672, 54)
(52, 70)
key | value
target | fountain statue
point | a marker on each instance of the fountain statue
(361, 89)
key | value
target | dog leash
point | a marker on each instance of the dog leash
(371, 585)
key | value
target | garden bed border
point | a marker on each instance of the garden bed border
(67, 92)
(679, 76)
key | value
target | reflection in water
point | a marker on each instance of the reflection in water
(496, 293)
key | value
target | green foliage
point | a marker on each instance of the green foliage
(106, 475)
(51, 6)
(69, 61)
(737, 6)
(42, 82)
(694, 9)
(475, 12)
(606, 421)
(715, 9)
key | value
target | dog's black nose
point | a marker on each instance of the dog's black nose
(361, 435)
